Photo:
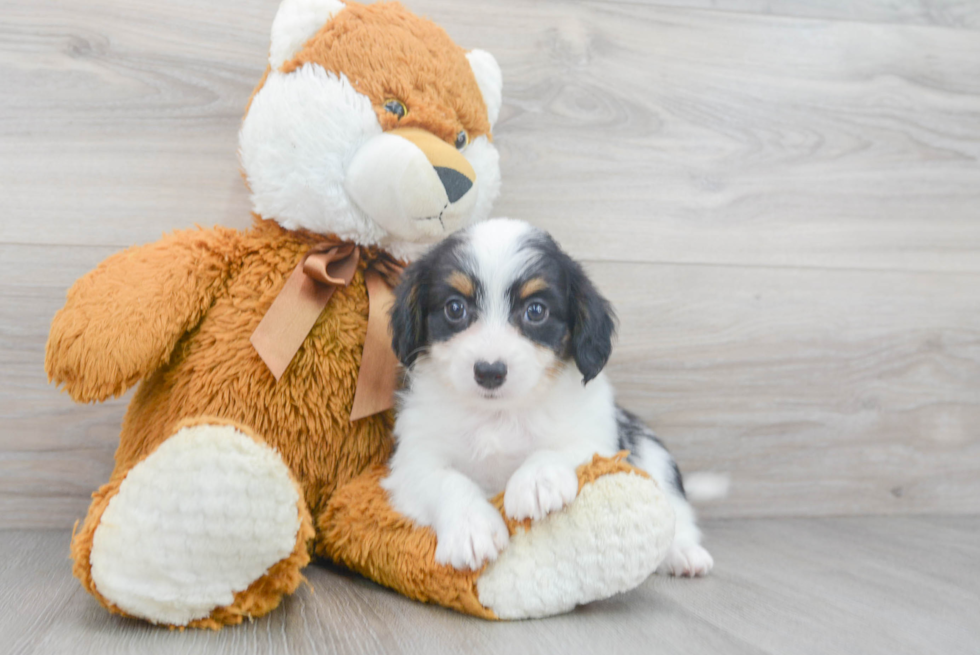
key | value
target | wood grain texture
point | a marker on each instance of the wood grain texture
(820, 392)
(705, 136)
(963, 14)
(894, 586)
(665, 135)
(53, 453)
(782, 199)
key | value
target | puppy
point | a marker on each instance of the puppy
(504, 339)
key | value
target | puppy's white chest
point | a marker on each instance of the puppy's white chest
(494, 450)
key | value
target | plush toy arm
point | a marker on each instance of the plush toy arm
(122, 320)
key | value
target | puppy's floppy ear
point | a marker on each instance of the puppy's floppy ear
(593, 323)
(408, 316)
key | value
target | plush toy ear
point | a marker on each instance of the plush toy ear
(408, 317)
(594, 323)
(295, 23)
(489, 79)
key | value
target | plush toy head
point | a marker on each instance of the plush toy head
(373, 125)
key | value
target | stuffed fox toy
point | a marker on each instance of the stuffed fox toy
(246, 449)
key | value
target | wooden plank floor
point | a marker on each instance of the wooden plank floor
(894, 586)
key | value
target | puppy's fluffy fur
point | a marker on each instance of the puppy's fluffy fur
(504, 339)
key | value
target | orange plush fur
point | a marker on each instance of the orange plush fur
(179, 313)
(387, 52)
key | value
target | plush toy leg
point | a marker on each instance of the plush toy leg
(607, 541)
(209, 528)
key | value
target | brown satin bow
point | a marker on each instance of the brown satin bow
(309, 288)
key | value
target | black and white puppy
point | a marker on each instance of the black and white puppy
(504, 339)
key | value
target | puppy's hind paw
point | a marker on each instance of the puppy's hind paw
(538, 489)
(472, 538)
(691, 561)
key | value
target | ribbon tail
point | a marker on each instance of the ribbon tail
(378, 376)
(290, 318)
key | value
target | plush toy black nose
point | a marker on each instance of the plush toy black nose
(455, 183)
(490, 376)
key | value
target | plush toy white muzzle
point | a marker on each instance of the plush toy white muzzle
(412, 183)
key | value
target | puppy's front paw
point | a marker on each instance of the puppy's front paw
(473, 537)
(536, 490)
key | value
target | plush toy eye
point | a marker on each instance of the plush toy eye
(461, 140)
(455, 310)
(396, 107)
(536, 312)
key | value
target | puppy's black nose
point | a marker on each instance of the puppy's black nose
(490, 376)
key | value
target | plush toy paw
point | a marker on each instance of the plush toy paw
(195, 523)
(475, 536)
(538, 488)
(607, 541)
(690, 561)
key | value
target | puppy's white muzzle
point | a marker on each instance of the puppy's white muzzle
(493, 363)
(415, 185)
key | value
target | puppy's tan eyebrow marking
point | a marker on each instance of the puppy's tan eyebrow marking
(461, 282)
(532, 286)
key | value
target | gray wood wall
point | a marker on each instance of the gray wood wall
(781, 198)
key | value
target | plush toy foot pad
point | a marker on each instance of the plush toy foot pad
(608, 541)
(200, 519)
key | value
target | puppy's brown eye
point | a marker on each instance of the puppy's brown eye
(455, 310)
(536, 312)
(461, 140)
(396, 107)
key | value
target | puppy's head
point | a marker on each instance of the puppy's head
(497, 312)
